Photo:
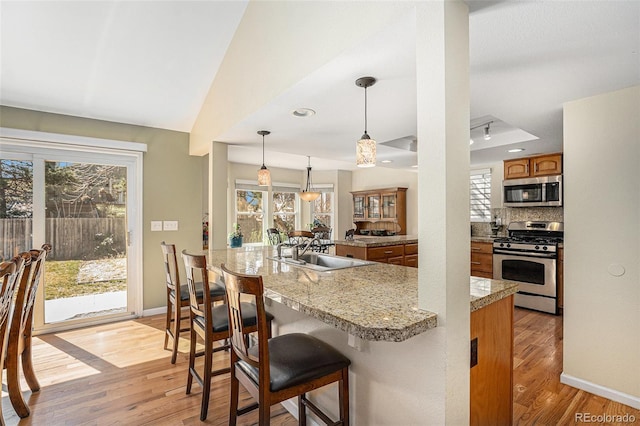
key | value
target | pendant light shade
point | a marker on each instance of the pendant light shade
(308, 194)
(366, 147)
(264, 175)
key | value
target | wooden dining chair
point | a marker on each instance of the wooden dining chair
(178, 298)
(19, 345)
(10, 275)
(211, 324)
(323, 234)
(299, 237)
(280, 368)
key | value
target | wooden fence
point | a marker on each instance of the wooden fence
(83, 238)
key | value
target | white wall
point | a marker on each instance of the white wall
(602, 238)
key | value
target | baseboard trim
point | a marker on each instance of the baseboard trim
(614, 395)
(154, 311)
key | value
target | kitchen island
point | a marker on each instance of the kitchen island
(370, 313)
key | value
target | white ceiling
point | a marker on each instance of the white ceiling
(151, 63)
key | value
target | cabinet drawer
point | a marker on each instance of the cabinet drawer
(396, 260)
(410, 249)
(385, 252)
(482, 274)
(481, 247)
(411, 260)
(482, 262)
(351, 251)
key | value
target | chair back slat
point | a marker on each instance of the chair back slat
(28, 289)
(10, 273)
(170, 258)
(195, 266)
(240, 287)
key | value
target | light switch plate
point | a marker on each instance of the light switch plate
(170, 225)
(156, 225)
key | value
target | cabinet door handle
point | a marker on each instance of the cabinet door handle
(476, 248)
(476, 263)
(388, 251)
(536, 167)
(526, 168)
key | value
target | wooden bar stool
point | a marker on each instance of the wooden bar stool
(282, 367)
(173, 325)
(19, 346)
(10, 274)
(212, 325)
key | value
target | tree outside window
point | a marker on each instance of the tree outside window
(284, 211)
(250, 214)
(323, 210)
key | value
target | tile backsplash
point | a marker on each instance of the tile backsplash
(517, 214)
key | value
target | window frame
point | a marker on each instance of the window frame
(480, 195)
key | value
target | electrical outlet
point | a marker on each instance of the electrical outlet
(156, 225)
(170, 225)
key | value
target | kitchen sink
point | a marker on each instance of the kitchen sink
(323, 262)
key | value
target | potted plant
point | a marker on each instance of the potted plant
(235, 236)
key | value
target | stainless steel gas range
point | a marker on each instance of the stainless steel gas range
(529, 255)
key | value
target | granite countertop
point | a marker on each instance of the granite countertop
(377, 302)
(483, 239)
(367, 241)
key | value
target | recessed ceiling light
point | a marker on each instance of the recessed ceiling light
(516, 150)
(303, 112)
(470, 141)
(386, 161)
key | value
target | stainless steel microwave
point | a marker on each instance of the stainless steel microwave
(532, 192)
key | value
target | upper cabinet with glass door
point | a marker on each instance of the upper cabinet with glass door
(380, 211)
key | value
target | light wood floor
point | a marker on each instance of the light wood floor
(119, 374)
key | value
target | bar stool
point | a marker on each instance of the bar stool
(212, 325)
(282, 367)
(173, 325)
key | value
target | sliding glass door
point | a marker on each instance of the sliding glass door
(82, 203)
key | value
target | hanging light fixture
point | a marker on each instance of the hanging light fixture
(366, 147)
(264, 175)
(487, 135)
(308, 194)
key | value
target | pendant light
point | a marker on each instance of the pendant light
(366, 147)
(264, 175)
(487, 135)
(308, 194)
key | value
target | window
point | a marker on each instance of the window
(322, 208)
(250, 214)
(258, 209)
(284, 211)
(480, 195)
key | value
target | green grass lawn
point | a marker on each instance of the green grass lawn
(61, 280)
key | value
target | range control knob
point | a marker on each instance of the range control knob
(537, 247)
(544, 248)
(508, 245)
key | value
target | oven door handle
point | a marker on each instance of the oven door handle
(525, 254)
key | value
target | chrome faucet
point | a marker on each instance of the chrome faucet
(305, 246)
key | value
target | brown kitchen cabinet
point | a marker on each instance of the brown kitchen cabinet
(380, 209)
(396, 254)
(482, 259)
(411, 255)
(540, 165)
(560, 278)
(491, 374)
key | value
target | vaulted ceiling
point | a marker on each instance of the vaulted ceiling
(152, 63)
